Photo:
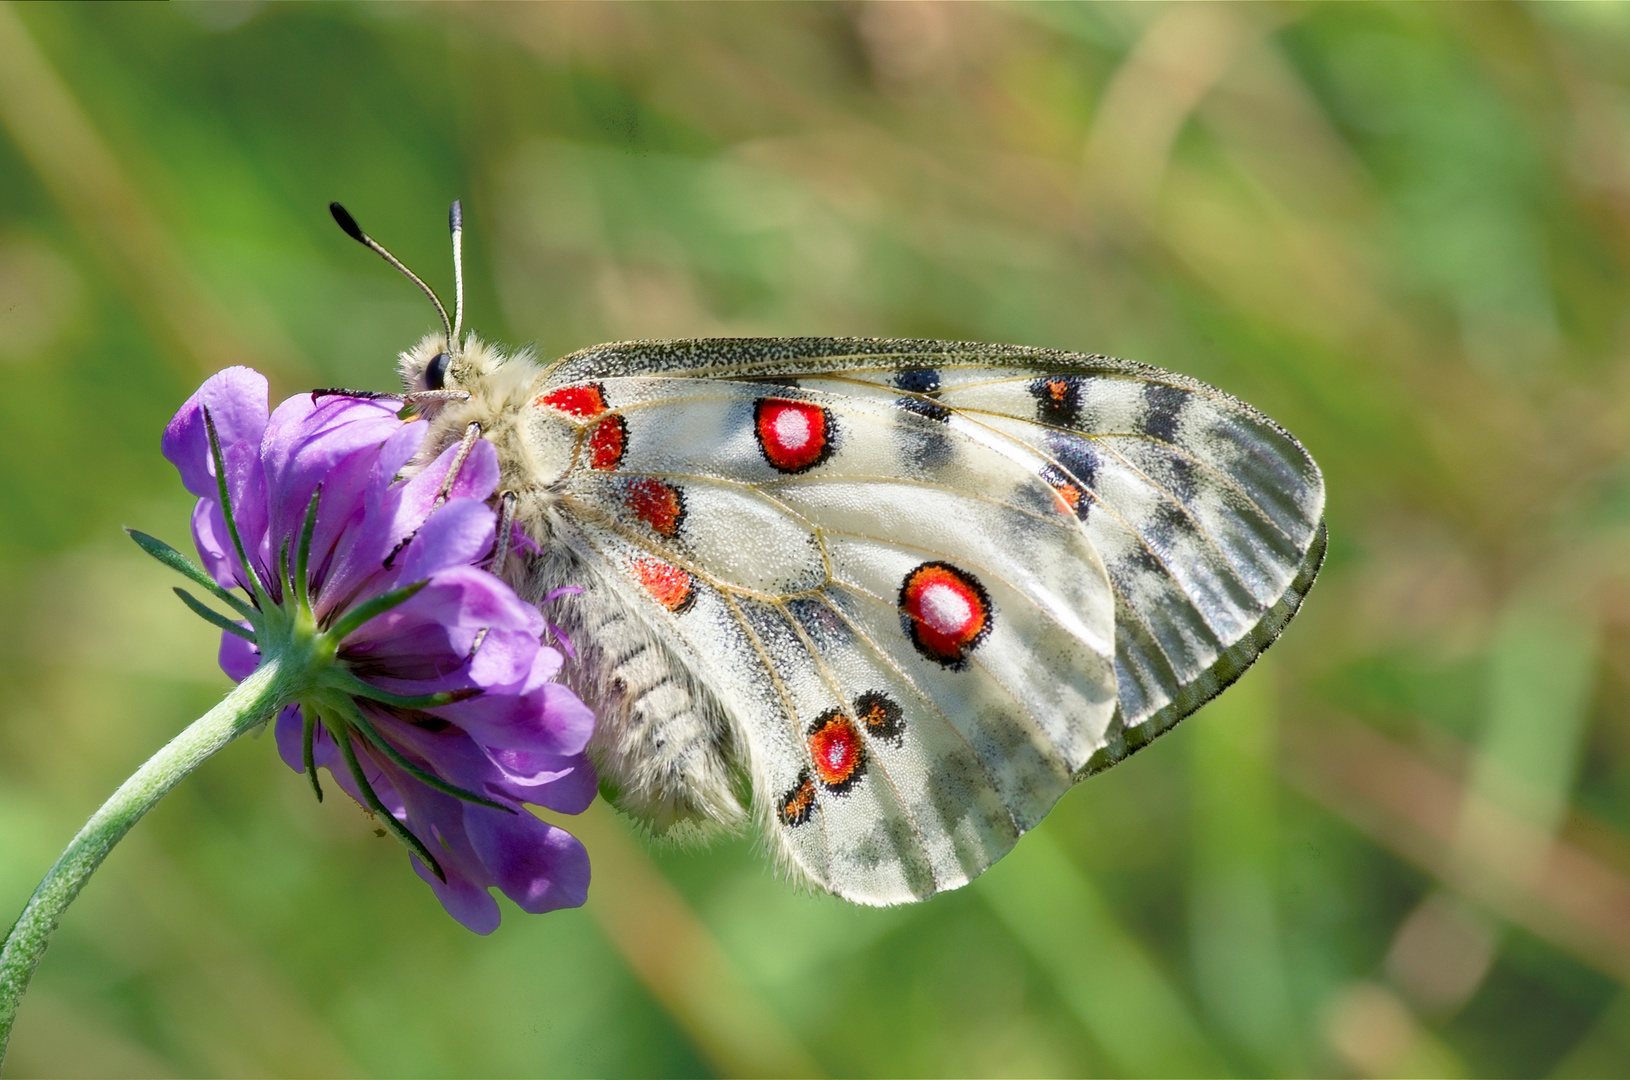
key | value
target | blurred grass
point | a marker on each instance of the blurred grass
(1400, 846)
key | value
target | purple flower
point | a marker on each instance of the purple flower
(430, 699)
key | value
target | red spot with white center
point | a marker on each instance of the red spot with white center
(836, 750)
(794, 435)
(585, 401)
(608, 439)
(657, 504)
(947, 612)
(667, 584)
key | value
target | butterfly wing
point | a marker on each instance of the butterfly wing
(934, 583)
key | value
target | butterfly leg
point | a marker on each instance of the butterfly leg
(506, 521)
(414, 397)
(471, 434)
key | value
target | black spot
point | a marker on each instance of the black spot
(919, 380)
(924, 381)
(798, 804)
(926, 447)
(1162, 525)
(1058, 399)
(1181, 478)
(1135, 562)
(1079, 462)
(931, 409)
(881, 716)
(1069, 489)
(820, 622)
(1163, 410)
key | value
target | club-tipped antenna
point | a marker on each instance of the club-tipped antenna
(455, 225)
(345, 221)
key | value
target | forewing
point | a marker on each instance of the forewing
(1208, 516)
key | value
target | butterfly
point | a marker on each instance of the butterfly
(883, 601)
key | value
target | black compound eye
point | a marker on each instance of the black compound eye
(435, 372)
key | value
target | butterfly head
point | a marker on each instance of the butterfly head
(466, 366)
(448, 360)
(454, 379)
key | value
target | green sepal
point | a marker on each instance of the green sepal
(364, 725)
(308, 756)
(283, 567)
(213, 617)
(184, 566)
(350, 684)
(386, 818)
(302, 555)
(373, 608)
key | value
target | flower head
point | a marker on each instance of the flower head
(430, 697)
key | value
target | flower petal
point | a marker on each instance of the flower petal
(236, 399)
(461, 597)
(548, 719)
(459, 533)
(238, 657)
(570, 721)
(306, 444)
(566, 783)
(290, 724)
(540, 867)
(214, 545)
(469, 903)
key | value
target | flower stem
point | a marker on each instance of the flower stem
(252, 702)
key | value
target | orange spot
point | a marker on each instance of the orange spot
(586, 400)
(834, 746)
(657, 504)
(668, 585)
(608, 439)
(1058, 390)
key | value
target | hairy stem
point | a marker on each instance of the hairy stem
(251, 702)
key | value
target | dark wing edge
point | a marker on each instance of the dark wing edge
(748, 358)
(1235, 661)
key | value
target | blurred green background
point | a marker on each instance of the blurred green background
(1400, 846)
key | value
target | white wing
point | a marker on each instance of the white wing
(931, 584)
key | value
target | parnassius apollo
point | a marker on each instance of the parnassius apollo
(883, 600)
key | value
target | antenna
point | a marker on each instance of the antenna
(455, 225)
(354, 231)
